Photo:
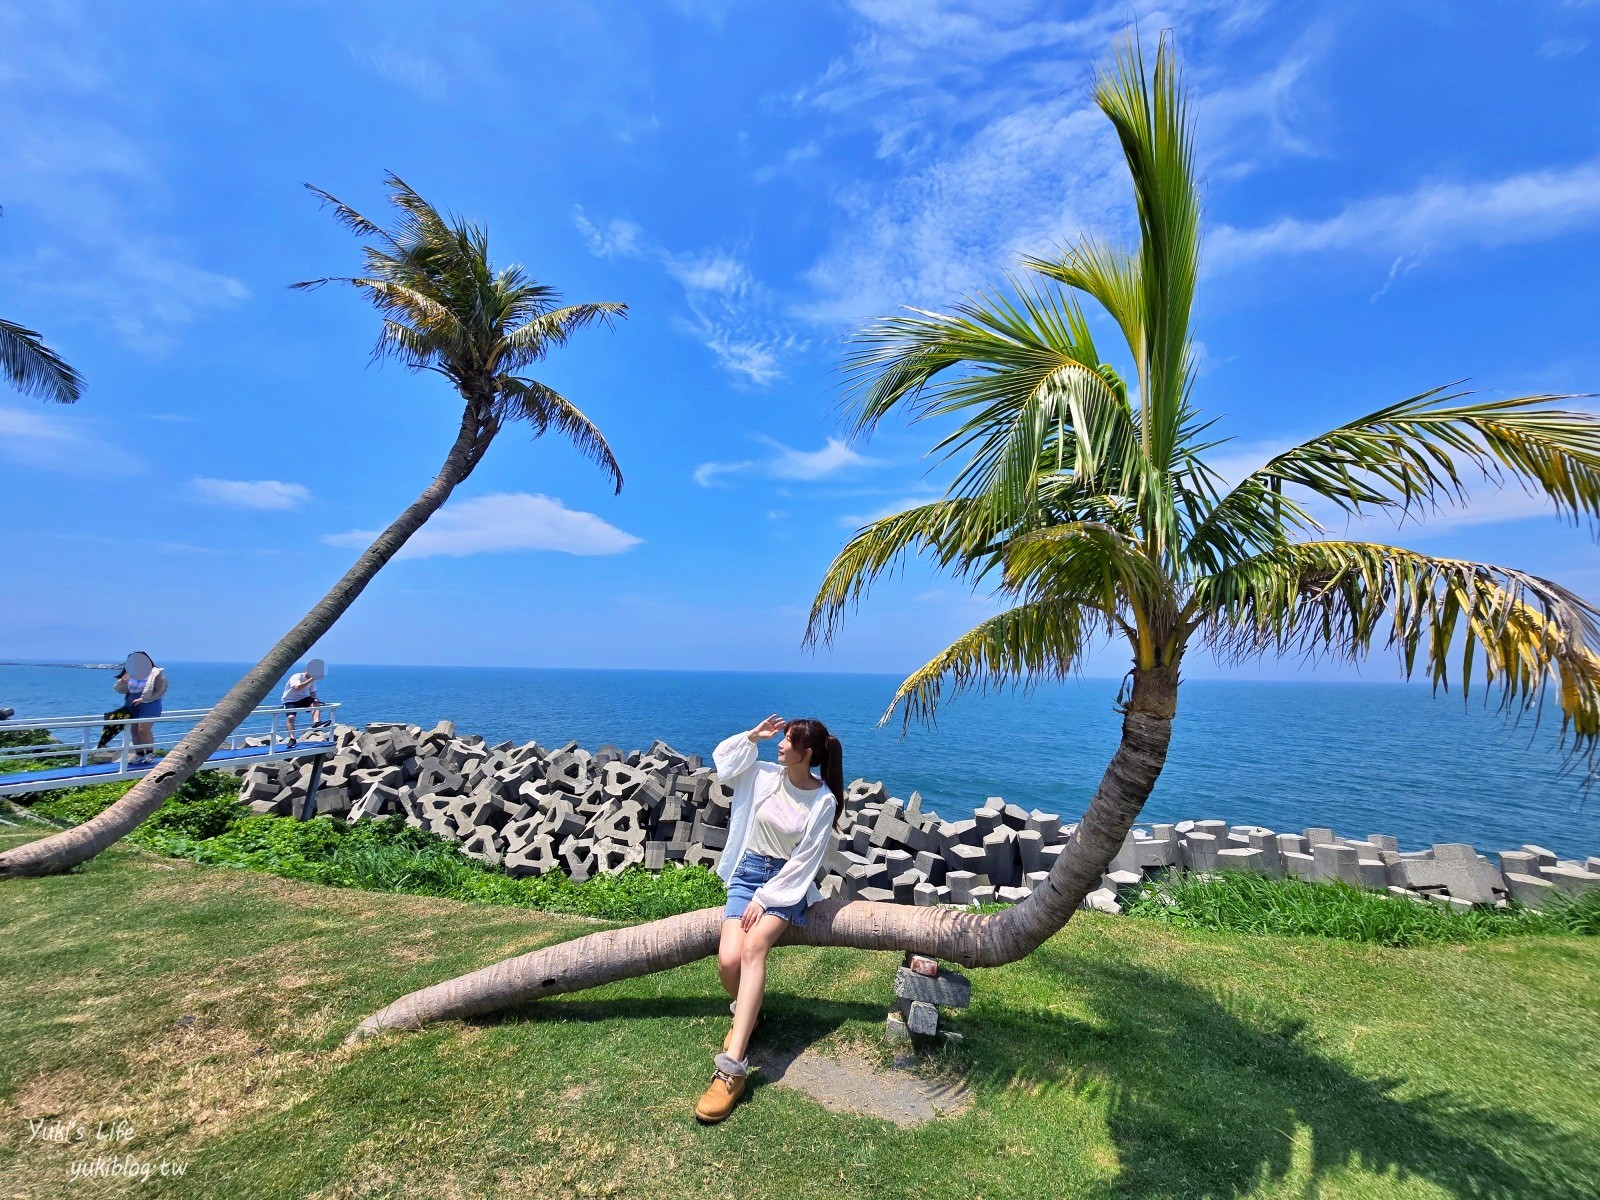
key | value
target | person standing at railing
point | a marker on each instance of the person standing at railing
(145, 685)
(300, 692)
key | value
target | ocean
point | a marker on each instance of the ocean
(1358, 757)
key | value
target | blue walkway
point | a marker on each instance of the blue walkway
(55, 777)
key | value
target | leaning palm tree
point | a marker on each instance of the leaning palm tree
(444, 309)
(1093, 512)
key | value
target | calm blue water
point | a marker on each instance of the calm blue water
(1360, 757)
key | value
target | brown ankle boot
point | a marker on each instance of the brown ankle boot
(727, 1086)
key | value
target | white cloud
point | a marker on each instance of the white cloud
(857, 520)
(416, 73)
(984, 108)
(267, 494)
(834, 457)
(1529, 207)
(505, 521)
(1239, 126)
(786, 462)
(1563, 47)
(54, 439)
(705, 475)
(713, 273)
(88, 195)
(617, 238)
(729, 312)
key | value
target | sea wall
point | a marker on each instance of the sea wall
(528, 809)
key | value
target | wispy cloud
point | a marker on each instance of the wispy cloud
(981, 109)
(91, 195)
(787, 463)
(55, 439)
(503, 522)
(616, 237)
(405, 68)
(728, 311)
(1563, 47)
(1483, 214)
(895, 508)
(266, 494)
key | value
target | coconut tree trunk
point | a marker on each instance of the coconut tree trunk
(67, 849)
(966, 938)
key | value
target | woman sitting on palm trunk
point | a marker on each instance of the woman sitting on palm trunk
(778, 829)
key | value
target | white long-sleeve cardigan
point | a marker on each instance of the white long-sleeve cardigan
(740, 767)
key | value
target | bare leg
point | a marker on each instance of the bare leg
(728, 956)
(289, 720)
(753, 980)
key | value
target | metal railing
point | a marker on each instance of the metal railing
(80, 740)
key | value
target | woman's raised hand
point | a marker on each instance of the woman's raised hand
(769, 728)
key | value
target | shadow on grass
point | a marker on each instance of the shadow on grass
(789, 1024)
(1204, 1095)
(1214, 1096)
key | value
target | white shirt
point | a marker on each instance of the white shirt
(739, 766)
(779, 816)
(294, 691)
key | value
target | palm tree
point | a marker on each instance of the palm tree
(444, 309)
(1095, 514)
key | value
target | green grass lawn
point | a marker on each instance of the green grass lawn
(204, 1007)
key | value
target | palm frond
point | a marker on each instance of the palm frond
(1409, 458)
(1340, 597)
(1027, 645)
(535, 337)
(896, 362)
(545, 408)
(33, 368)
(1112, 275)
(350, 219)
(945, 528)
(1083, 559)
(1022, 375)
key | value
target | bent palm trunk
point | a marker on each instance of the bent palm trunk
(67, 849)
(966, 938)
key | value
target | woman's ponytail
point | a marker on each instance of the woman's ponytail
(827, 756)
(833, 775)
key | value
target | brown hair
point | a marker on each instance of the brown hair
(827, 755)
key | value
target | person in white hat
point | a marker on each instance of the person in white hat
(300, 692)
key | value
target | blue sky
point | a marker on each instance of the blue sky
(1398, 195)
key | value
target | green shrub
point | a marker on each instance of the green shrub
(12, 738)
(1248, 903)
(204, 822)
(1575, 914)
(16, 739)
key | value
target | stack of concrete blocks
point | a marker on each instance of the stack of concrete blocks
(1452, 874)
(918, 999)
(530, 810)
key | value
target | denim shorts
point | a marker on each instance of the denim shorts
(753, 871)
(146, 709)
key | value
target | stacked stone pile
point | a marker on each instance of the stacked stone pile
(920, 994)
(529, 809)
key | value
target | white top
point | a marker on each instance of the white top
(298, 688)
(739, 766)
(779, 817)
